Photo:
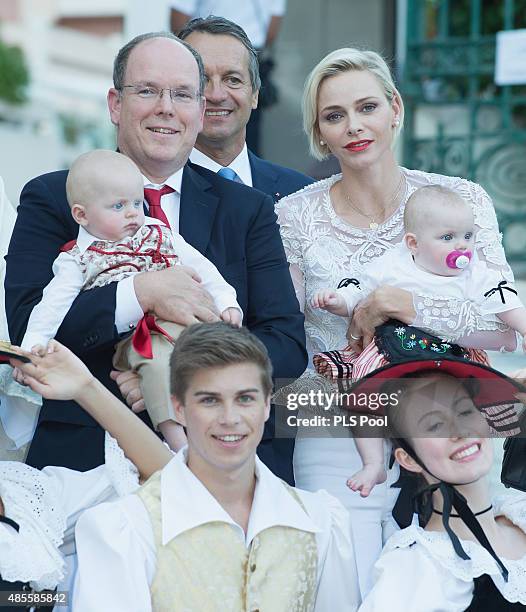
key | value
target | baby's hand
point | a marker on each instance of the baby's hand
(40, 350)
(331, 301)
(232, 316)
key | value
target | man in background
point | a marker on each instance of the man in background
(231, 92)
(260, 19)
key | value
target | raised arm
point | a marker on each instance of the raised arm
(56, 373)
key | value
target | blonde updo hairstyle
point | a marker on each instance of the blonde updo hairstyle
(343, 60)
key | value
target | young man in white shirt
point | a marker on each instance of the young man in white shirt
(215, 529)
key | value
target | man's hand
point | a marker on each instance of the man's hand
(175, 294)
(382, 304)
(54, 372)
(128, 383)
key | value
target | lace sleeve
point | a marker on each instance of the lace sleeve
(292, 245)
(459, 321)
(122, 473)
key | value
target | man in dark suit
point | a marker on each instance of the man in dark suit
(231, 92)
(157, 107)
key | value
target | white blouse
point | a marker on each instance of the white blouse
(419, 570)
(117, 554)
(322, 249)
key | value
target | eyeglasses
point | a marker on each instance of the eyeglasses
(177, 96)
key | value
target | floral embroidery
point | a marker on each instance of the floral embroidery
(410, 343)
(151, 248)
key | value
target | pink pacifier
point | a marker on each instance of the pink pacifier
(458, 259)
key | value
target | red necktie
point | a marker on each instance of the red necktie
(153, 197)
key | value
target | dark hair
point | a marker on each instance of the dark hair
(404, 389)
(396, 432)
(220, 25)
(215, 345)
(121, 60)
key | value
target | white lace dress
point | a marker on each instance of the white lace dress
(419, 570)
(46, 505)
(322, 249)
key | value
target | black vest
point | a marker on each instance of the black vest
(5, 585)
(487, 598)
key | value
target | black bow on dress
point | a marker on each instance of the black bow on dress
(500, 288)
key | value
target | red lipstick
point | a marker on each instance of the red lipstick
(358, 145)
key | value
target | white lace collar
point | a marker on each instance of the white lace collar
(437, 545)
(32, 499)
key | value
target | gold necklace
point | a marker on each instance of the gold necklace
(373, 224)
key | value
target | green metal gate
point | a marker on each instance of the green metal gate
(458, 122)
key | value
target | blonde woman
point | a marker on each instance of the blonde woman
(330, 229)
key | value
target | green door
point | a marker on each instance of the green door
(458, 122)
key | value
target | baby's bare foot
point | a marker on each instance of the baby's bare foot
(364, 481)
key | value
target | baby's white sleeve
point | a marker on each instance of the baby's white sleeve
(353, 290)
(57, 298)
(223, 294)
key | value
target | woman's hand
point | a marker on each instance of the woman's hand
(54, 372)
(382, 304)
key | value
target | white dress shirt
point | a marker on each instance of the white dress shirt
(128, 311)
(252, 15)
(240, 165)
(47, 316)
(117, 554)
(170, 202)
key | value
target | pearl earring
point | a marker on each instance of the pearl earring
(322, 142)
(396, 122)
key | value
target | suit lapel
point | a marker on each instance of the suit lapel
(197, 209)
(264, 177)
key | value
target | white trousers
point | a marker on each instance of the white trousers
(326, 463)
